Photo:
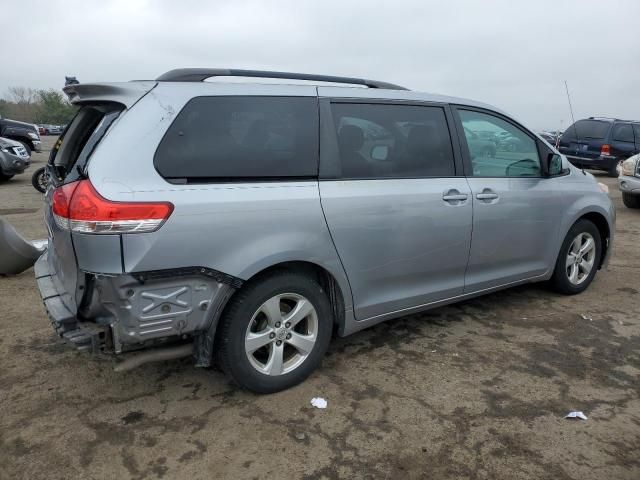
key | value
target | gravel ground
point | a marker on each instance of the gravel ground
(476, 390)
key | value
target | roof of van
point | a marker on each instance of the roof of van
(128, 93)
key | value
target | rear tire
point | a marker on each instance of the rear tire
(630, 200)
(571, 275)
(39, 180)
(264, 311)
(613, 170)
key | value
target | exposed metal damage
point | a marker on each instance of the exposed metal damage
(172, 313)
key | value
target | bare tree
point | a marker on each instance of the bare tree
(22, 95)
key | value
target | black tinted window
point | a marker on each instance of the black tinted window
(594, 129)
(623, 132)
(378, 141)
(241, 137)
(636, 130)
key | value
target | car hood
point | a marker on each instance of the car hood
(6, 142)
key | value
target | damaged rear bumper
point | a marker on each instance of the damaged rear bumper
(87, 336)
(126, 313)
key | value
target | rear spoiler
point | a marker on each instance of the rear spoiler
(126, 93)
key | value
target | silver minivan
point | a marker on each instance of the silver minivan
(243, 223)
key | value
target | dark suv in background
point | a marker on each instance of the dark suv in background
(601, 143)
(25, 133)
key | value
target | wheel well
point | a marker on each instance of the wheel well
(603, 227)
(26, 140)
(324, 278)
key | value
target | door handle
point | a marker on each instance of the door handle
(487, 195)
(454, 196)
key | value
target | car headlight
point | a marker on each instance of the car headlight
(33, 135)
(630, 166)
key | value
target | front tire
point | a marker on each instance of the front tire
(578, 260)
(274, 332)
(630, 201)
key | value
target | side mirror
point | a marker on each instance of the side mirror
(380, 152)
(552, 165)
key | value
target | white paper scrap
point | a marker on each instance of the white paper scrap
(576, 415)
(319, 402)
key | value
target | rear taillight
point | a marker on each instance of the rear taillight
(606, 149)
(80, 208)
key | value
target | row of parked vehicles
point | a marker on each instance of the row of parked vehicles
(17, 141)
(47, 129)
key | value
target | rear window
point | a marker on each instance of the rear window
(623, 132)
(583, 129)
(227, 138)
(70, 154)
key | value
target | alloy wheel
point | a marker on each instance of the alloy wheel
(281, 334)
(580, 258)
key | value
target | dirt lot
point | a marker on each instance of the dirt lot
(476, 390)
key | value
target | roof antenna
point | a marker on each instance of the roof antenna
(572, 117)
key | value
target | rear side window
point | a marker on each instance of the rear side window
(226, 138)
(70, 154)
(623, 132)
(386, 141)
(583, 129)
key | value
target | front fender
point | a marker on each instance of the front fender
(594, 203)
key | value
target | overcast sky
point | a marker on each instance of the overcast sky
(513, 54)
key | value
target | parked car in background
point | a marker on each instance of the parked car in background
(600, 143)
(25, 133)
(550, 137)
(52, 129)
(480, 146)
(257, 219)
(14, 158)
(629, 181)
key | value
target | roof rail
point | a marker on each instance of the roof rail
(614, 119)
(201, 74)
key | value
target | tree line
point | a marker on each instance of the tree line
(36, 106)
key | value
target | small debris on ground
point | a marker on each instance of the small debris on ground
(586, 317)
(576, 415)
(319, 402)
(300, 436)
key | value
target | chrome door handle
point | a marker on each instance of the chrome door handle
(487, 196)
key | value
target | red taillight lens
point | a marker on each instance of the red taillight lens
(606, 149)
(79, 207)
